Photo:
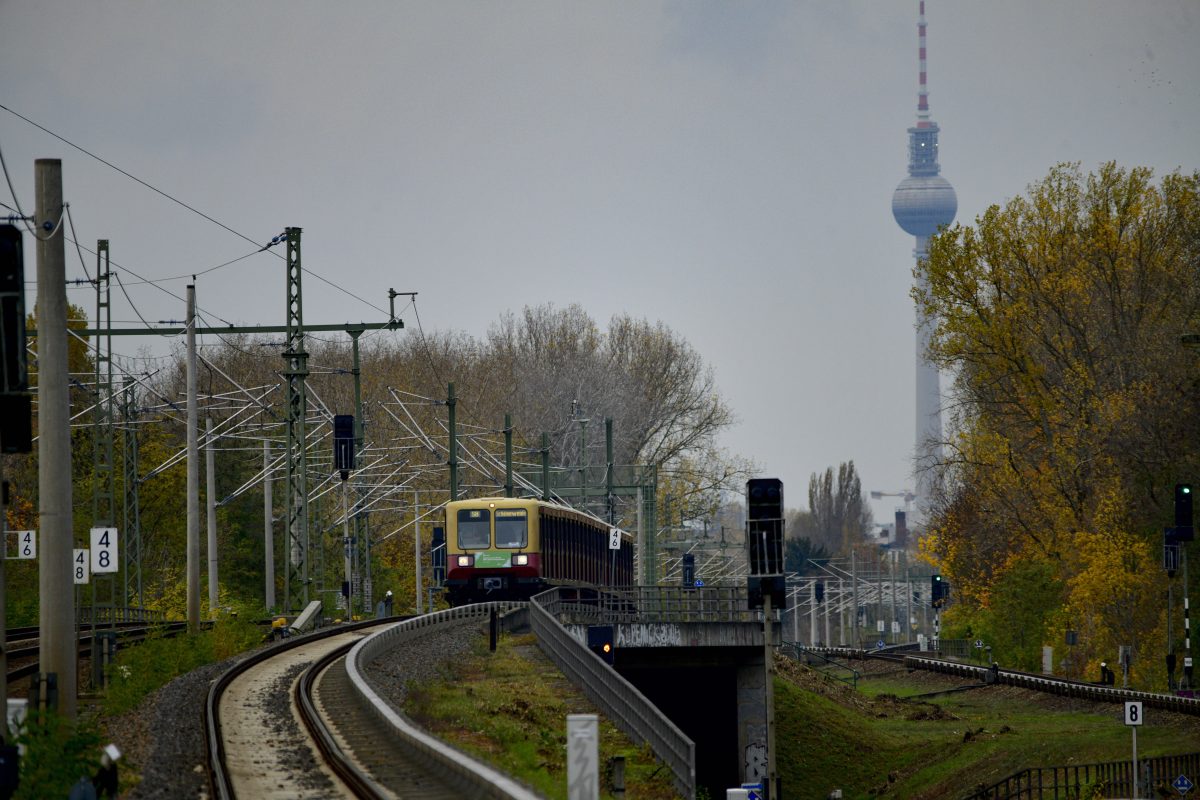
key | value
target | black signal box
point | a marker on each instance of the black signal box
(764, 525)
(1184, 531)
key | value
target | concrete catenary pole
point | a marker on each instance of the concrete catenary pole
(268, 528)
(210, 502)
(55, 522)
(193, 472)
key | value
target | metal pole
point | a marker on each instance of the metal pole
(210, 500)
(812, 614)
(347, 552)
(193, 472)
(452, 402)
(508, 479)
(545, 466)
(1187, 619)
(268, 528)
(772, 782)
(854, 593)
(4, 731)
(608, 492)
(417, 543)
(842, 614)
(825, 606)
(1133, 781)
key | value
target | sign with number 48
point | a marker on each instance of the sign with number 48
(1133, 713)
(80, 566)
(104, 550)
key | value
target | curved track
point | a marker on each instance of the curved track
(251, 752)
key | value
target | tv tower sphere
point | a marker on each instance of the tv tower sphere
(923, 203)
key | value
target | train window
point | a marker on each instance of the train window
(474, 528)
(511, 527)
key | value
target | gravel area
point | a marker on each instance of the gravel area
(163, 739)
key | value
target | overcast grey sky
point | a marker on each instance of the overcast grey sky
(725, 167)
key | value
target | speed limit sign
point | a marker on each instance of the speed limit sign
(1133, 713)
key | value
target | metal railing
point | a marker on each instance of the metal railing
(647, 604)
(1108, 779)
(102, 614)
(620, 701)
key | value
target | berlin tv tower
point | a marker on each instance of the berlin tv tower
(921, 203)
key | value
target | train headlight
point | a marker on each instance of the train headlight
(521, 560)
(465, 561)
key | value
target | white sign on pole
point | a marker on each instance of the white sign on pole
(879, 625)
(104, 550)
(26, 544)
(614, 538)
(583, 757)
(895, 626)
(1133, 713)
(81, 566)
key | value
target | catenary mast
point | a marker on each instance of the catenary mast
(921, 203)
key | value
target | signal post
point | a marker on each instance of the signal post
(766, 589)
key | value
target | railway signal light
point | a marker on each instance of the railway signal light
(343, 444)
(1184, 532)
(600, 642)
(764, 527)
(939, 590)
(16, 416)
(689, 569)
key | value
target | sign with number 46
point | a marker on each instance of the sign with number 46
(104, 550)
(26, 544)
(1133, 713)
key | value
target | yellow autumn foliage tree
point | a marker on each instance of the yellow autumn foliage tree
(1074, 403)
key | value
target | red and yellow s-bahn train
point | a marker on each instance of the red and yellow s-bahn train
(506, 548)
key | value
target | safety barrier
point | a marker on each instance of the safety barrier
(472, 777)
(620, 700)
(649, 604)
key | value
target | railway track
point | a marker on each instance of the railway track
(253, 753)
(1026, 680)
(22, 644)
(364, 748)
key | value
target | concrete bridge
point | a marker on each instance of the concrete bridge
(698, 655)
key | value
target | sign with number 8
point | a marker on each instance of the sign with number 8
(1133, 713)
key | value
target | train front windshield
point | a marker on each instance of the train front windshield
(512, 531)
(474, 529)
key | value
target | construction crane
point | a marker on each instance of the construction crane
(906, 494)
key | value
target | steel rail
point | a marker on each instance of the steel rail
(1027, 680)
(342, 765)
(218, 773)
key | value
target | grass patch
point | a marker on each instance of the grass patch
(141, 669)
(509, 708)
(58, 752)
(874, 743)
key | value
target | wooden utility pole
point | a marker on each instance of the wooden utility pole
(55, 521)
